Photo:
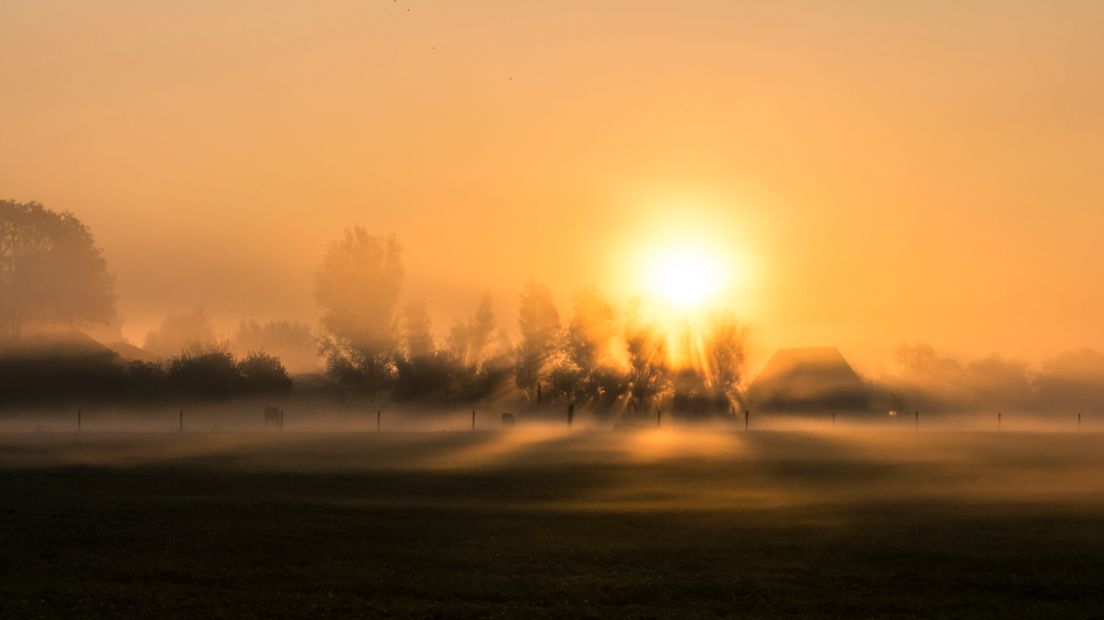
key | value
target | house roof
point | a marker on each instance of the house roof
(64, 342)
(808, 378)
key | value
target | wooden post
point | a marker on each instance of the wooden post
(659, 416)
(181, 427)
(998, 421)
(377, 420)
(473, 419)
(1078, 422)
(79, 420)
(916, 417)
(747, 414)
(570, 414)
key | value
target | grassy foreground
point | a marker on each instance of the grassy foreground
(549, 524)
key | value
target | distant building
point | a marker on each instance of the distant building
(61, 342)
(809, 379)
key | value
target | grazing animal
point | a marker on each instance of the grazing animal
(274, 417)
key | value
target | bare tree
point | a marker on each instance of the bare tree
(724, 349)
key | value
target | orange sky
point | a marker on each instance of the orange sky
(877, 172)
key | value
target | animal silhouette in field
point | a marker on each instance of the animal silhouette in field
(274, 417)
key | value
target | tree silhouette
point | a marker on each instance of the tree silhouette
(209, 374)
(180, 332)
(539, 323)
(292, 342)
(649, 374)
(357, 286)
(263, 374)
(481, 329)
(468, 341)
(585, 371)
(417, 331)
(215, 374)
(50, 270)
(724, 350)
(422, 372)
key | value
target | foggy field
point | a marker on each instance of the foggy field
(543, 522)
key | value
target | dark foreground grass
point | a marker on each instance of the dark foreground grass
(784, 526)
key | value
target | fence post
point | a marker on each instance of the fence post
(78, 420)
(473, 419)
(999, 421)
(916, 417)
(747, 415)
(1078, 422)
(181, 427)
(378, 415)
(570, 414)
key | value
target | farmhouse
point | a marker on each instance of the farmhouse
(808, 379)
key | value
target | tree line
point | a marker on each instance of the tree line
(373, 344)
(606, 358)
(599, 355)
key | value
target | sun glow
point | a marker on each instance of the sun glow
(686, 276)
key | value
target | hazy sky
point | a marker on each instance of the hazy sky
(870, 172)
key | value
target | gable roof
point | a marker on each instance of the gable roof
(130, 352)
(55, 343)
(65, 342)
(808, 379)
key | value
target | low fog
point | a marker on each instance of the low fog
(655, 469)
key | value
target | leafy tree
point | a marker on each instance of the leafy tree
(50, 270)
(293, 343)
(263, 373)
(179, 332)
(146, 379)
(210, 374)
(468, 341)
(587, 370)
(649, 375)
(926, 379)
(481, 329)
(476, 354)
(215, 374)
(539, 323)
(458, 343)
(591, 330)
(357, 286)
(1072, 380)
(421, 371)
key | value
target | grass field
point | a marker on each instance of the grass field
(550, 524)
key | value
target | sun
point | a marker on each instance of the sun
(686, 276)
